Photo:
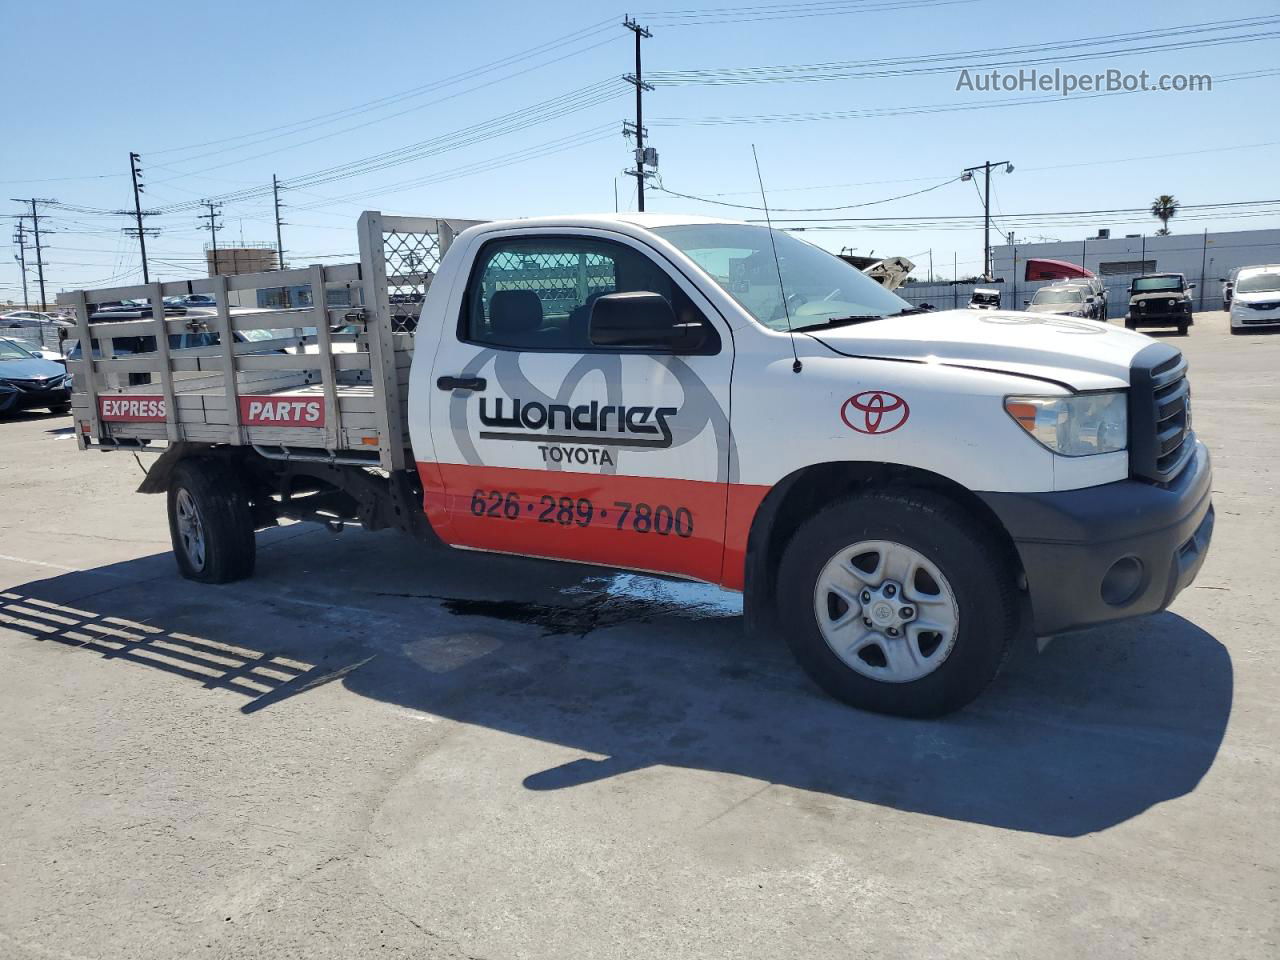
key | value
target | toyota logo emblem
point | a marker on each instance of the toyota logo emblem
(875, 412)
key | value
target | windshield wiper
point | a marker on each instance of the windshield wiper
(849, 321)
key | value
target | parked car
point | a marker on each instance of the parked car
(191, 300)
(1160, 300)
(1064, 299)
(1095, 294)
(44, 353)
(130, 310)
(985, 298)
(1229, 288)
(28, 381)
(1257, 298)
(32, 318)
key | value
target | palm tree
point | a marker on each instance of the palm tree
(1164, 208)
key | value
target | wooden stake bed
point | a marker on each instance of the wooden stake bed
(327, 381)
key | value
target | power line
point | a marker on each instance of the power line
(537, 114)
(288, 129)
(848, 206)
(928, 108)
(740, 15)
(1013, 216)
(977, 61)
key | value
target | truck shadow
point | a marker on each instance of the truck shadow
(1090, 733)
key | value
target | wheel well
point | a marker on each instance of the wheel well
(797, 496)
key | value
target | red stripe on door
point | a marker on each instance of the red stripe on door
(643, 523)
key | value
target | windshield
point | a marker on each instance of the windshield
(819, 285)
(991, 298)
(11, 351)
(1157, 284)
(1058, 296)
(1259, 283)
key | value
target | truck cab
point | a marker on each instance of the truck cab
(900, 495)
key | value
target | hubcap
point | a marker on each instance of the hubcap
(886, 611)
(190, 529)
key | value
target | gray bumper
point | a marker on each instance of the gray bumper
(1109, 552)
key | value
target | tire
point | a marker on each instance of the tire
(977, 577)
(1129, 324)
(60, 409)
(213, 491)
(1237, 331)
(1182, 329)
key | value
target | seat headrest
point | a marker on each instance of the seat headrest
(515, 311)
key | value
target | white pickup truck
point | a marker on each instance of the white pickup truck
(899, 495)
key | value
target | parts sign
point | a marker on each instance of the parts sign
(280, 411)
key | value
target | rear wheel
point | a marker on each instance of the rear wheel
(898, 603)
(210, 522)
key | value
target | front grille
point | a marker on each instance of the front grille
(1160, 437)
(48, 383)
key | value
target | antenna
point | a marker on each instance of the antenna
(797, 366)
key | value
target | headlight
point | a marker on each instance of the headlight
(1076, 426)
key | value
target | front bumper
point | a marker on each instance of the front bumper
(1249, 317)
(1109, 552)
(1159, 318)
(15, 400)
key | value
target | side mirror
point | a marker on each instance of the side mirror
(1026, 303)
(640, 319)
(1191, 286)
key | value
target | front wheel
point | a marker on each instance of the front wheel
(1182, 329)
(898, 603)
(210, 522)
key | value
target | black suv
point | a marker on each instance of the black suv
(1160, 300)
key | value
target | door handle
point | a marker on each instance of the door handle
(461, 383)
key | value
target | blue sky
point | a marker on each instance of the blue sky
(176, 81)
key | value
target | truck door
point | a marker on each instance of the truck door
(549, 446)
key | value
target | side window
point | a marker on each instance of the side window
(537, 293)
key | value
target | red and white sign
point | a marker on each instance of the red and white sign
(282, 411)
(131, 409)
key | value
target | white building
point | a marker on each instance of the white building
(1205, 259)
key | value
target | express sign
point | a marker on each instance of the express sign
(273, 411)
(132, 409)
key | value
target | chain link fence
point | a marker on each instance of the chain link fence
(1014, 296)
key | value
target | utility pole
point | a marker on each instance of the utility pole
(967, 174)
(135, 171)
(637, 80)
(212, 226)
(275, 193)
(20, 238)
(35, 228)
